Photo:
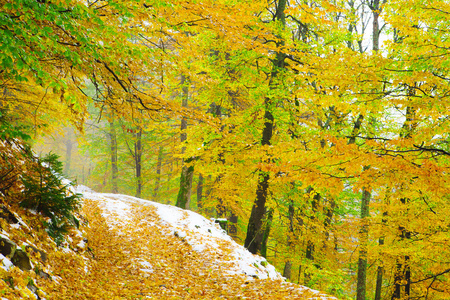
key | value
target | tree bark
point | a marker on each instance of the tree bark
(187, 172)
(138, 161)
(232, 225)
(365, 201)
(184, 193)
(403, 270)
(287, 271)
(401, 275)
(113, 153)
(254, 238)
(397, 281)
(158, 172)
(309, 243)
(362, 261)
(267, 227)
(380, 269)
(379, 282)
(288, 264)
(200, 192)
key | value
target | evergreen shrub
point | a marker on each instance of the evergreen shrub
(45, 192)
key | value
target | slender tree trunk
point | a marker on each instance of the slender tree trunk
(398, 280)
(362, 261)
(403, 271)
(158, 172)
(267, 227)
(376, 27)
(379, 283)
(288, 264)
(221, 209)
(184, 193)
(287, 271)
(187, 172)
(138, 161)
(365, 200)
(380, 269)
(254, 238)
(114, 163)
(200, 192)
(363, 240)
(309, 254)
(407, 272)
(232, 225)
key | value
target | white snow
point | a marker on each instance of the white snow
(4, 234)
(146, 266)
(5, 264)
(81, 244)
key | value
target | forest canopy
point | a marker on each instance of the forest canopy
(319, 129)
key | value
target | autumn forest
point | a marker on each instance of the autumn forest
(319, 129)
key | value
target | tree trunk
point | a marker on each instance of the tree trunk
(114, 163)
(407, 273)
(232, 225)
(403, 270)
(158, 172)
(362, 261)
(380, 269)
(184, 193)
(363, 240)
(379, 283)
(221, 209)
(200, 192)
(287, 271)
(138, 162)
(310, 256)
(309, 243)
(401, 275)
(398, 281)
(288, 264)
(254, 238)
(267, 227)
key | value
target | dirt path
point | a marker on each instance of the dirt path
(134, 258)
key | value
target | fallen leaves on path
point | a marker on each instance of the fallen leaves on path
(137, 256)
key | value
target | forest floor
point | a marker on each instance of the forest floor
(145, 250)
(129, 248)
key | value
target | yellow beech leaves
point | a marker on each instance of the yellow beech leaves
(355, 93)
(135, 258)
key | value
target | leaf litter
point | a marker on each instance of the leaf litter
(148, 250)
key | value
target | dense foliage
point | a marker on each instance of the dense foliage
(320, 126)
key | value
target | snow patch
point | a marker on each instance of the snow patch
(146, 266)
(6, 264)
(202, 234)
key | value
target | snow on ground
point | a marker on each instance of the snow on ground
(198, 231)
(202, 234)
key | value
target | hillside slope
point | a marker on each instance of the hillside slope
(129, 248)
(180, 254)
